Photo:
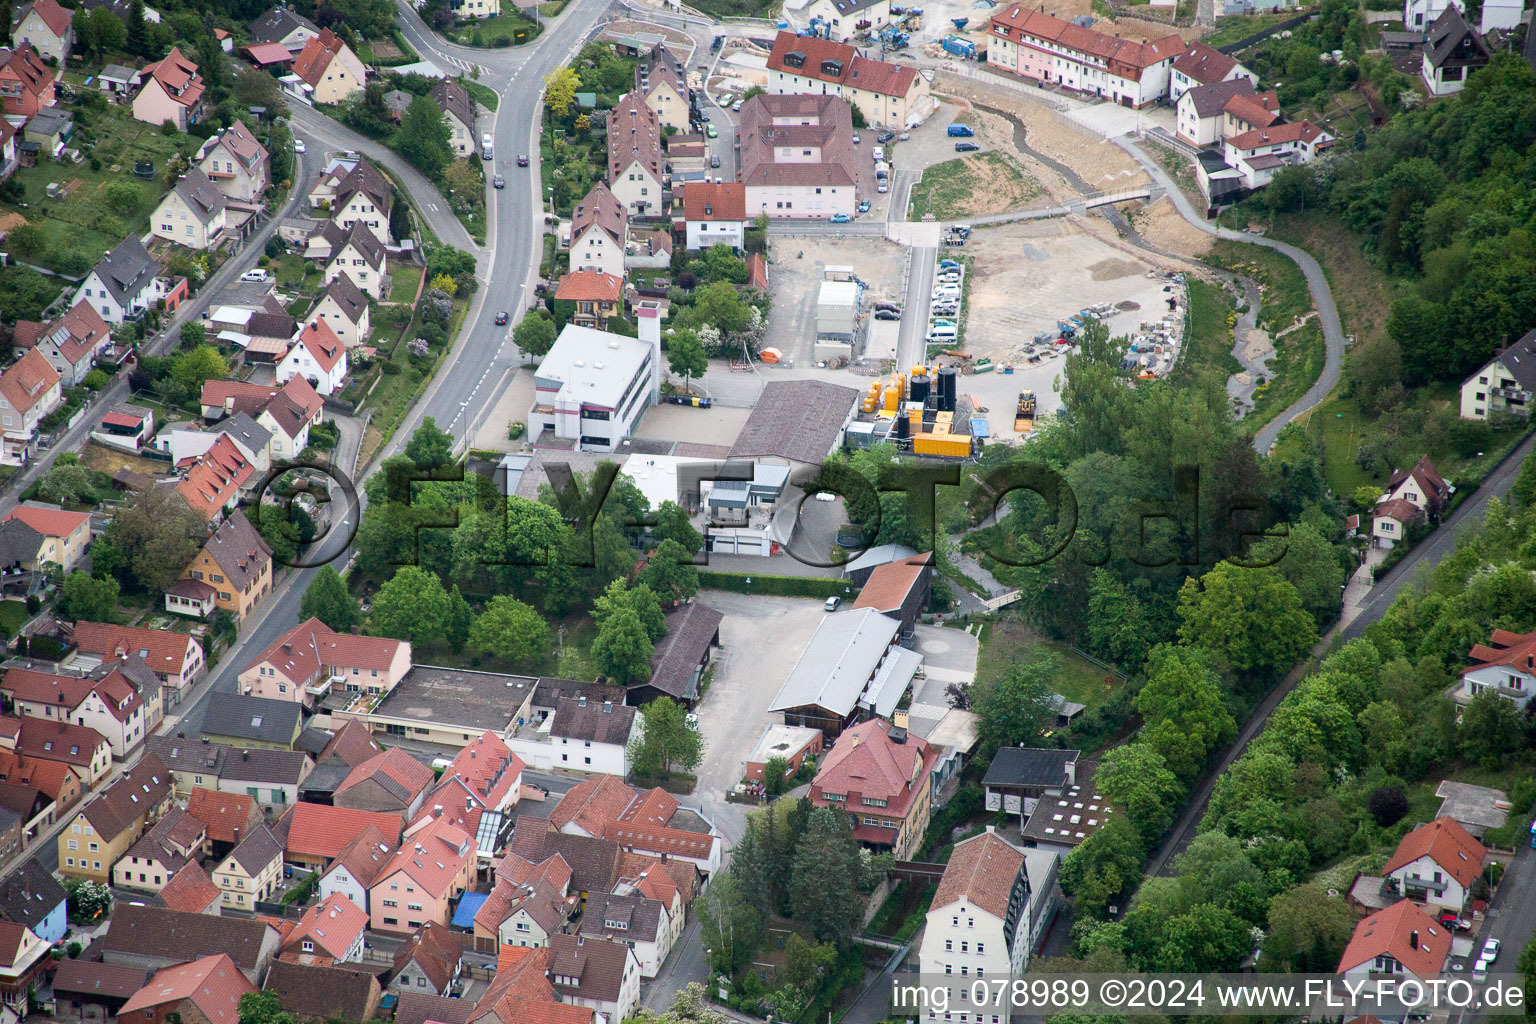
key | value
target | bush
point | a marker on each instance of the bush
(390, 369)
(779, 586)
(96, 380)
(168, 127)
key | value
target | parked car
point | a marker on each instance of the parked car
(1491, 951)
(499, 181)
(855, 138)
(298, 145)
(714, 162)
(878, 153)
(1480, 971)
(885, 137)
(863, 205)
(712, 131)
(966, 147)
(904, 136)
(883, 187)
(256, 274)
(892, 307)
(704, 115)
(522, 160)
(948, 263)
(960, 130)
(886, 314)
(502, 317)
(736, 106)
(841, 218)
(832, 603)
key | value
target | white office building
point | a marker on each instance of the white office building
(593, 386)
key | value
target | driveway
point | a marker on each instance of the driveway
(949, 656)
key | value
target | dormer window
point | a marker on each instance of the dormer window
(834, 68)
(795, 59)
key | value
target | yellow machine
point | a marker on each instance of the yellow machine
(1024, 418)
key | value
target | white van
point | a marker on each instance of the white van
(942, 333)
(485, 146)
(878, 153)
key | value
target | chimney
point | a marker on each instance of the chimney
(1413, 939)
(237, 835)
(991, 830)
(437, 810)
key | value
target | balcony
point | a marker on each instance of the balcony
(1517, 395)
(1419, 886)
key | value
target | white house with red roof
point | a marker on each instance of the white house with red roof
(1505, 665)
(1040, 46)
(879, 774)
(330, 68)
(311, 658)
(175, 658)
(1201, 64)
(1259, 153)
(1401, 940)
(213, 482)
(888, 95)
(173, 91)
(431, 868)
(331, 932)
(715, 214)
(47, 25)
(107, 702)
(357, 866)
(237, 163)
(649, 823)
(1422, 487)
(599, 232)
(1437, 863)
(66, 534)
(318, 356)
(29, 390)
(476, 793)
(72, 342)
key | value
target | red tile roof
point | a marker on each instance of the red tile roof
(300, 653)
(229, 817)
(1512, 650)
(26, 381)
(599, 207)
(819, 122)
(330, 926)
(50, 522)
(1123, 55)
(395, 764)
(215, 478)
(28, 67)
(316, 56)
(634, 134)
(1204, 64)
(324, 347)
(1400, 509)
(54, 16)
(1291, 131)
(706, 201)
(590, 286)
(433, 857)
(1424, 473)
(866, 761)
(487, 768)
(352, 744)
(365, 856)
(1403, 932)
(852, 69)
(1445, 842)
(315, 830)
(593, 804)
(1260, 109)
(213, 984)
(982, 870)
(190, 890)
(79, 332)
(164, 651)
(59, 741)
(889, 584)
(178, 76)
(265, 54)
(47, 777)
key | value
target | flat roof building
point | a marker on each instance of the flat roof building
(592, 387)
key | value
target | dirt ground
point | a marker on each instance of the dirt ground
(8, 221)
(796, 280)
(110, 460)
(1161, 225)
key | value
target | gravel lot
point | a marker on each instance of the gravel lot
(795, 281)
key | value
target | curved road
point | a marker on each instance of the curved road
(1317, 284)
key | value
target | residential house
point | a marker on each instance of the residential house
(126, 426)
(357, 867)
(117, 81)
(153, 937)
(252, 872)
(1201, 110)
(594, 862)
(797, 156)
(879, 774)
(23, 957)
(176, 659)
(227, 818)
(72, 342)
(1401, 939)
(49, 130)
(235, 564)
(192, 214)
(286, 413)
(318, 834)
(1505, 665)
(649, 823)
(311, 658)
(991, 910)
(22, 570)
(26, 84)
(112, 821)
(124, 284)
(84, 749)
(121, 712)
(660, 79)
(598, 297)
(345, 309)
(669, 884)
(29, 391)
(526, 911)
(582, 735)
(318, 356)
(1052, 51)
(330, 68)
(335, 193)
(16, 807)
(65, 534)
(393, 782)
(842, 18)
(1437, 863)
(360, 255)
(899, 590)
(242, 720)
(191, 891)
(48, 26)
(314, 992)
(205, 991)
(173, 91)
(1258, 154)
(271, 777)
(458, 109)
(216, 480)
(55, 780)
(1019, 777)
(851, 670)
(889, 95)
(631, 920)
(1422, 487)
(476, 793)
(426, 874)
(681, 657)
(715, 214)
(93, 990)
(284, 25)
(33, 898)
(599, 232)
(429, 961)
(1494, 14)
(1452, 51)
(595, 973)
(165, 849)
(237, 163)
(1203, 65)
(1505, 383)
(634, 155)
(1250, 111)
(331, 932)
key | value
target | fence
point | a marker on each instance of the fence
(1258, 37)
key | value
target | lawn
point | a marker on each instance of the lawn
(512, 27)
(1008, 641)
(1208, 344)
(972, 185)
(293, 274)
(12, 615)
(81, 225)
(483, 95)
(1241, 26)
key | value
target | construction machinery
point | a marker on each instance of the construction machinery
(1024, 418)
(958, 47)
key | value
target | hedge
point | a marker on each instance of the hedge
(780, 586)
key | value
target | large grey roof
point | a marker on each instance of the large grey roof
(795, 419)
(1450, 40)
(1029, 766)
(257, 719)
(1520, 358)
(30, 893)
(127, 270)
(277, 23)
(838, 662)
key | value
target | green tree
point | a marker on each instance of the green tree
(66, 484)
(88, 899)
(1310, 564)
(1117, 626)
(26, 239)
(622, 648)
(90, 599)
(510, 630)
(1490, 729)
(535, 333)
(719, 305)
(686, 356)
(327, 599)
(1102, 868)
(6, 15)
(461, 619)
(412, 605)
(281, 148)
(1182, 707)
(665, 741)
(1015, 708)
(720, 263)
(429, 447)
(1308, 930)
(1252, 618)
(399, 218)
(776, 775)
(424, 138)
(193, 334)
(620, 596)
(673, 523)
(1136, 780)
(203, 362)
(730, 926)
(262, 1008)
(158, 535)
(122, 196)
(827, 878)
(670, 572)
(560, 88)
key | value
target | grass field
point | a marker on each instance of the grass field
(487, 31)
(972, 185)
(1209, 342)
(1008, 641)
(12, 615)
(484, 95)
(1241, 26)
(83, 222)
